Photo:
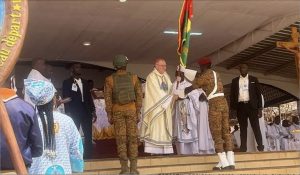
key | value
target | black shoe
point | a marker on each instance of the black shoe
(260, 148)
(222, 168)
(243, 148)
(232, 167)
(217, 168)
(227, 168)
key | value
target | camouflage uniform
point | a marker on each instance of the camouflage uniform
(218, 111)
(125, 117)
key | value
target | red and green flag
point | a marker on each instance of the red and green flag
(184, 30)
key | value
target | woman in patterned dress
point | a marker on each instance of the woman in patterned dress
(63, 150)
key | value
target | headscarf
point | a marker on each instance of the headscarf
(41, 93)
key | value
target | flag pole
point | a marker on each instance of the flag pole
(184, 29)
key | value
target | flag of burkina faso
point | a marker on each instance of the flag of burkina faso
(184, 29)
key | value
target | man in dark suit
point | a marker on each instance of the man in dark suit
(246, 101)
(81, 107)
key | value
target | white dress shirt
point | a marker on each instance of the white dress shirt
(244, 89)
(79, 82)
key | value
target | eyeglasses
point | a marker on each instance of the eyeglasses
(161, 65)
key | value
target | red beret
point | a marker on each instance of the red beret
(204, 61)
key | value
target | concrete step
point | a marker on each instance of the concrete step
(206, 167)
(270, 170)
(287, 162)
(105, 164)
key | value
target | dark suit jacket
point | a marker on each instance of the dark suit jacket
(254, 93)
(76, 107)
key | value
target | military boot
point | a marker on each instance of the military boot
(133, 167)
(124, 167)
(223, 162)
(230, 158)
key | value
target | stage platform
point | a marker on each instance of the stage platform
(246, 163)
(282, 162)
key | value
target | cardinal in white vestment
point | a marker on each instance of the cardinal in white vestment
(295, 131)
(285, 135)
(273, 135)
(156, 128)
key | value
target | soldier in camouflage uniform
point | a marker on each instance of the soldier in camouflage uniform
(123, 99)
(218, 116)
